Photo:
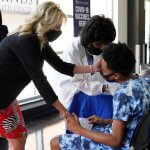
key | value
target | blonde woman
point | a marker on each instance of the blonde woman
(22, 54)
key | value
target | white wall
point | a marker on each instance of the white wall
(13, 20)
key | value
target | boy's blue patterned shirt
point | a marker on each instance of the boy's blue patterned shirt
(130, 103)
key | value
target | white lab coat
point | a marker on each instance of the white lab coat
(66, 87)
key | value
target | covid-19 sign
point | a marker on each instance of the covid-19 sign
(81, 14)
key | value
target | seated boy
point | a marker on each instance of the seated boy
(130, 102)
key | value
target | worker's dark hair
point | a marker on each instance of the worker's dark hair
(98, 28)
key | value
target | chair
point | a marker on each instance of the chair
(140, 138)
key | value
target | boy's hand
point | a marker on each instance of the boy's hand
(96, 120)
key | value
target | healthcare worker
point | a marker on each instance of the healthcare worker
(87, 94)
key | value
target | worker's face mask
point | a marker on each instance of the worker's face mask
(106, 77)
(93, 50)
(52, 35)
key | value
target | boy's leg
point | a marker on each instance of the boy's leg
(54, 143)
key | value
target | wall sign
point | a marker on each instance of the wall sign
(17, 6)
(81, 14)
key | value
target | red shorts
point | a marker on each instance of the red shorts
(11, 122)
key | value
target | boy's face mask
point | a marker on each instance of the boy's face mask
(52, 35)
(106, 77)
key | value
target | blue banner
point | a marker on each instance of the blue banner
(81, 14)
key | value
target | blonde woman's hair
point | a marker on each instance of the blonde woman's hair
(47, 16)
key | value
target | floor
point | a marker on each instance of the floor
(40, 131)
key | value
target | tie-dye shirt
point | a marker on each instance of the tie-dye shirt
(130, 103)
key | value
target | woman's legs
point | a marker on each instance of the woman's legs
(54, 144)
(17, 144)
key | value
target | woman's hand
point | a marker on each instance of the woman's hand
(96, 120)
(97, 66)
(73, 123)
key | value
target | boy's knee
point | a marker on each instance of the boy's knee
(54, 143)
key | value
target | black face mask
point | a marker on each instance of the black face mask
(94, 51)
(52, 35)
(106, 77)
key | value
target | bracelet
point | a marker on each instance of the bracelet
(92, 71)
(65, 115)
